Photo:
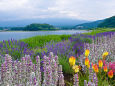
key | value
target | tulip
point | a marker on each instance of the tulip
(87, 53)
(88, 66)
(96, 68)
(72, 60)
(75, 68)
(86, 61)
(104, 55)
(100, 63)
(110, 74)
(92, 66)
(105, 68)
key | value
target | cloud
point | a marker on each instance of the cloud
(76, 9)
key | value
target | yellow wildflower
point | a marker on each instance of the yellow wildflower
(75, 68)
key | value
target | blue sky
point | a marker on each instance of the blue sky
(75, 9)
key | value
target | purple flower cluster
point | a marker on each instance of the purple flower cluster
(15, 48)
(63, 48)
(74, 46)
(102, 43)
(25, 73)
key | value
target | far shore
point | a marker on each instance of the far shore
(42, 30)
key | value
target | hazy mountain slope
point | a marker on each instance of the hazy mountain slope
(88, 25)
(109, 22)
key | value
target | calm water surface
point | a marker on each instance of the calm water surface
(22, 35)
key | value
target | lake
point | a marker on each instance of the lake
(26, 34)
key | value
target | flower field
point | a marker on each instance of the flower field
(77, 60)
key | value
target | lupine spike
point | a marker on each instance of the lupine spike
(61, 77)
(76, 80)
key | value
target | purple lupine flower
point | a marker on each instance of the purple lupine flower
(60, 75)
(85, 83)
(76, 80)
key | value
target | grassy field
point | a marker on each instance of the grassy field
(39, 41)
(100, 30)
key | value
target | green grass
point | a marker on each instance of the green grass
(65, 65)
(39, 41)
(100, 30)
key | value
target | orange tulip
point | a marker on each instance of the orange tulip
(100, 63)
(92, 66)
(86, 61)
(87, 53)
(105, 68)
(72, 60)
(104, 55)
(110, 74)
(96, 68)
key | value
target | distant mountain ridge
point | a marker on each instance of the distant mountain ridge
(89, 25)
(105, 23)
(108, 22)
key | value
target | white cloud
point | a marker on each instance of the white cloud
(79, 9)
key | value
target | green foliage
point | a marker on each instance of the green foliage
(65, 65)
(36, 27)
(39, 41)
(33, 27)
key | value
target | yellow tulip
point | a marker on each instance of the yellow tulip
(104, 55)
(87, 53)
(75, 68)
(72, 60)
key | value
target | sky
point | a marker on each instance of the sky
(74, 9)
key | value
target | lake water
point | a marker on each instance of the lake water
(22, 35)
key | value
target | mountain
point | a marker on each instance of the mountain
(57, 22)
(108, 22)
(88, 25)
(105, 23)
